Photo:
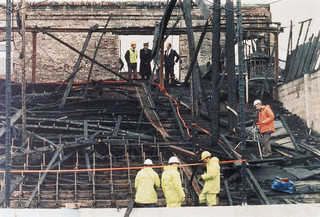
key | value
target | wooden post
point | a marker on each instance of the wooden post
(230, 68)
(161, 66)
(34, 57)
(23, 69)
(276, 58)
(215, 72)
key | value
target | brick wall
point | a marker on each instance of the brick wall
(55, 62)
(302, 97)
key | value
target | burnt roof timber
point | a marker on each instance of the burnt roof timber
(141, 31)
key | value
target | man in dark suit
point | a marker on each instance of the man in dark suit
(145, 59)
(170, 57)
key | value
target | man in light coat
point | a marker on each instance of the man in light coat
(146, 184)
(171, 184)
(212, 180)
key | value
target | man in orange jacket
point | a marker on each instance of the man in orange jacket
(266, 122)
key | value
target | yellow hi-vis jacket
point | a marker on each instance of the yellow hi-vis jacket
(171, 185)
(212, 177)
(145, 182)
(133, 56)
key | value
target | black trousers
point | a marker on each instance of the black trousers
(169, 70)
(143, 205)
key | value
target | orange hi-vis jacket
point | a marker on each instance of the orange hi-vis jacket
(266, 118)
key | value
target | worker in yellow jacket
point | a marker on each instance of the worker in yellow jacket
(146, 184)
(212, 180)
(171, 184)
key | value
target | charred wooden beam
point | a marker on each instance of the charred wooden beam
(183, 135)
(43, 176)
(184, 152)
(226, 185)
(87, 159)
(257, 187)
(77, 65)
(230, 68)
(117, 126)
(79, 52)
(13, 119)
(311, 149)
(151, 114)
(215, 92)
(13, 185)
(95, 55)
(296, 145)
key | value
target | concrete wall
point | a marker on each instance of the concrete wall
(302, 97)
(293, 210)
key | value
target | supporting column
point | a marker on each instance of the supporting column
(215, 71)
(23, 70)
(230, 55)
(8, 103)
(276, 57)
(241, 99)
(161, 66)
(34, 57)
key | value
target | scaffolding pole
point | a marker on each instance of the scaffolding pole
(8, 102)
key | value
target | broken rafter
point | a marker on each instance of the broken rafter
(79, 52)
(44, 174)
(77, 65)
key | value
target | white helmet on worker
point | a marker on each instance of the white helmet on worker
(256, 102)
(173, 160)
(205, 154)
(148, 162)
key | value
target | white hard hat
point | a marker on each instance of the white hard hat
(205, 154)
(173, 160)
(256, 102)
(148, 162)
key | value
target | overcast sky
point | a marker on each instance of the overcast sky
(282, 11)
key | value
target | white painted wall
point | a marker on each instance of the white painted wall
(3, 58)
(292, 210)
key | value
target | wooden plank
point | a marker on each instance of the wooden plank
(149, 111)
